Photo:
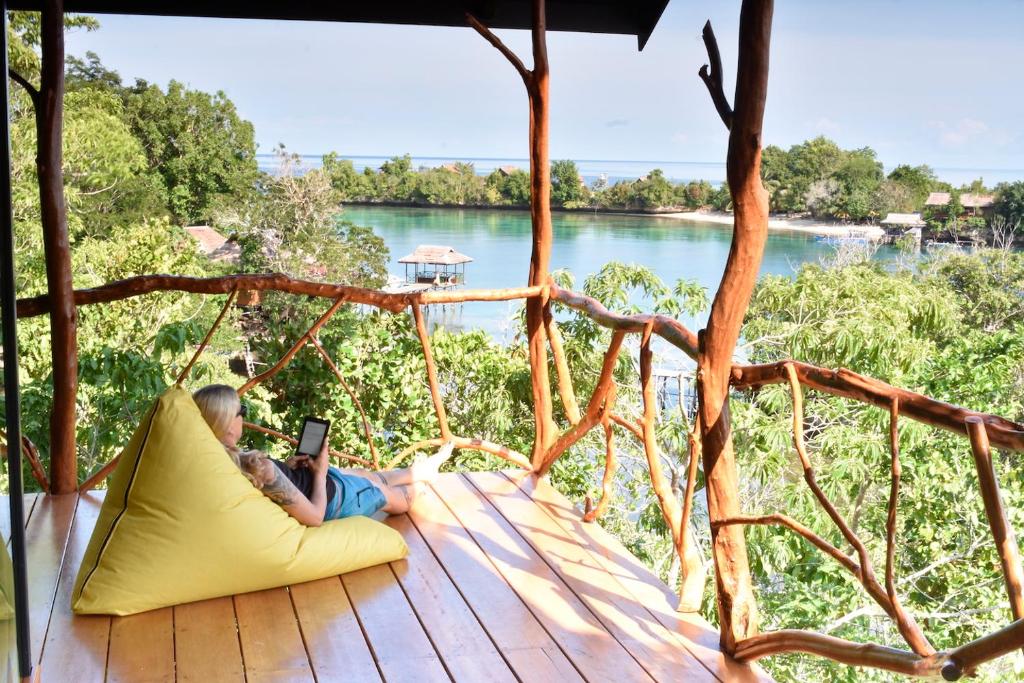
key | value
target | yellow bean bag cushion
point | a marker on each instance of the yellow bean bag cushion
(181, 523)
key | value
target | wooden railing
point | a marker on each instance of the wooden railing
(983, 431)
(710, 439)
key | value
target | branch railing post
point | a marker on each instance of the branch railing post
(435, 386)
(692, 588)
(691, 591)
(610, 466)
(565, 389)
(206, 340)
(355, 400)
(1002, 532)
(598, 405)
(296, 347)
(865, 572)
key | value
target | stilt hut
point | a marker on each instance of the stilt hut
(440, 266)
(506, 580)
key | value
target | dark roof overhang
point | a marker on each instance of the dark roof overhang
(630, 17)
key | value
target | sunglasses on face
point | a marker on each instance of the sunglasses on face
(243, 411)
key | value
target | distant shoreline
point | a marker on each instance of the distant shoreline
(775, 224)
(807, 225)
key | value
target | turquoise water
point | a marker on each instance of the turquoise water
(499, 243)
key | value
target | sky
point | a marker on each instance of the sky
(921, 82)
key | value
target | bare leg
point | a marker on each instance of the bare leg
(424, 469)
(400, 498)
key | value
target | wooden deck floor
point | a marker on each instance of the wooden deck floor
(503, 583)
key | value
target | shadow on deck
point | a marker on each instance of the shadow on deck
(503, 582)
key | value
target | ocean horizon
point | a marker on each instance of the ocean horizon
(615, 170)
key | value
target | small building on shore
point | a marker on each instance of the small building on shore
(438, 266)
(214, 245)
(973, 203)
(904, 224)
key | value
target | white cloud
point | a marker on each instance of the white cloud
(680, 138)
(964, 131)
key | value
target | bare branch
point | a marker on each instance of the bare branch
(494, 40)
(713, 80)
(908, 628)
(352, 395)
(296, 347)
(790, 523)
(1003, 433)
(845, 651)
(32, 91)
(206, 340)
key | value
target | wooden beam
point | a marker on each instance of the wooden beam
(145, 284)
(840, 650)
(1001, 432)
(667, 328)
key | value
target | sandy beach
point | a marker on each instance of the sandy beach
(793, 224)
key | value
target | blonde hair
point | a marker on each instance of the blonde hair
(219, 405)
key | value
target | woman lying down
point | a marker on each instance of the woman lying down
(310, 489)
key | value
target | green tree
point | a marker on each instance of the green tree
(566, 187)
(1010, 203)
(914, 329)
(858, 176)
(292, 226)
(654, 191)
(203, 150)
(396, 180)
(347, 182)
(458, 184)
(513, 187)
(24, 34)
(919, 181)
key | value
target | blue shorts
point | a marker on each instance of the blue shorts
(352, 496)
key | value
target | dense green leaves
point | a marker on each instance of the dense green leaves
(952, 329)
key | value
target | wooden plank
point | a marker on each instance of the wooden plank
(272, 646)
(527, 647)
(594, 652)
(45, 542)
(464, 646)
(206, 646)
(692, 631)
(402, 649)
(334, 640)
(5, 515)
(142, 648)
(76, 646)
(625, 618)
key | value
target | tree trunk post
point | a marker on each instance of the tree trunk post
(736, 606)
(53, 210)
(536, 82)
(540, 257)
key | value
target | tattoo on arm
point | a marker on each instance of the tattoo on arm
(274, 484)
(279, 488)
